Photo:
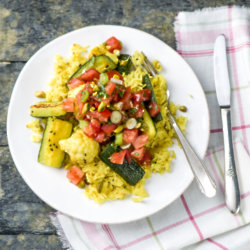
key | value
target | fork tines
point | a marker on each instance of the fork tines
(148, 66)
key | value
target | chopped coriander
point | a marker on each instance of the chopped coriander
(133, 110)
(120, 93)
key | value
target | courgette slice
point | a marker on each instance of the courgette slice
(148, 125)
(88, 65)
(112, 56)
(50, 154)
(131, 173)
(47, 109)
(101, 63)
(147, 82)
(104, 63)
(125, 64)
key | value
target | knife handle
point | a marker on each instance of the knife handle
(232, 192)
(204, 180)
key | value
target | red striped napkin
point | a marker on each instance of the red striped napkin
(193, 221)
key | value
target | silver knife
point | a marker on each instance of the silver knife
(223, 92)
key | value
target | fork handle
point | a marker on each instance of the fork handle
(203, 178)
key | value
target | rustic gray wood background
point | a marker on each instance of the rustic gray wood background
(25, 26)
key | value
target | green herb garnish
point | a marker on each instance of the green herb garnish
(133, 110)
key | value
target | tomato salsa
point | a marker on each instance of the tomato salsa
(108, 111)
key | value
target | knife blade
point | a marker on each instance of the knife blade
(221, 76)
(223, 93)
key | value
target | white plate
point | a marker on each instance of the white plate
(51, 184)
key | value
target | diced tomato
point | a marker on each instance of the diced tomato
(127, 105)
(75, 175)
(128, 155)
(111, 73)
(105, 113)
(138, 153)
(114, 43)
(129, 135)
(100, 137)
(110, 88)
(101, 116)
(146, 160)
(118, 93)
(95, 123)
(69, 104)
(89, 131)
(115, 97)
(146, 94)
(153, 109)
(140, 141)
(137, 111)
(140, 111)
(127, 95)
(75, 82)
(137, 97)
(141, 96)
(126, 99)
(78, 101)
(118, 157)
(108, 128)
(90, 75)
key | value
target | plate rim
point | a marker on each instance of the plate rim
(15, 89)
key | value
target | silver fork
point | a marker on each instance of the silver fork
(202, 176)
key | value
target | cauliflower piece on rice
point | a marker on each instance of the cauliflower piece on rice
(81, 149)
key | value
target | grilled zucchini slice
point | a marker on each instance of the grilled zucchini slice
(50, 154)
(130, 172)
(47, 109)
(104, 63)
(125, 64)
(148, 125)
(101, 63)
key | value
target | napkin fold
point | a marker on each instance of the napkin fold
(193, 221)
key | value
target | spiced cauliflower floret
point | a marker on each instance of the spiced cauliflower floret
(81, 149)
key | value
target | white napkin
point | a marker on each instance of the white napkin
(193, 221)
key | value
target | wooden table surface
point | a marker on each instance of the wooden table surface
(26, 26)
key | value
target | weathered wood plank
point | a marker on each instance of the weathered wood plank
(8, 74)
(29, 242)
(20, 209)
(13, 187)
(26, 26)
(25, 217)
